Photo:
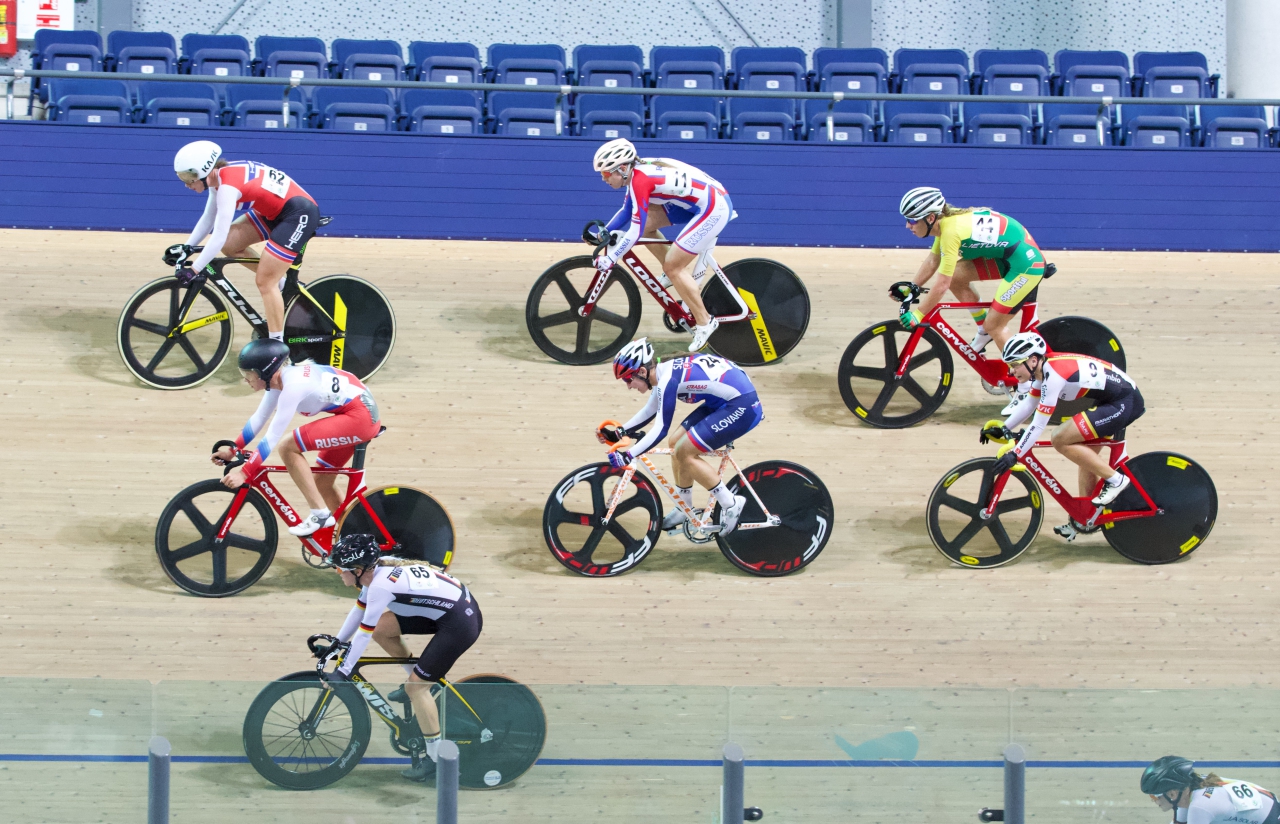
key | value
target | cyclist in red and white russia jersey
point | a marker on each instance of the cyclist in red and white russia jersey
(693, 205)
(305, 389)
(279, 211)
(1068, 377)
(730, 408)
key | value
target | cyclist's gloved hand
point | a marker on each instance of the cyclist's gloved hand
(910, 319)
(610, 433)
(619, 458)
(176, 253)
(995, 431)
(1005, 462)
(605, 264)
(185, 275)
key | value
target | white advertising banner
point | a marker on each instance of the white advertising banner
(45, 14)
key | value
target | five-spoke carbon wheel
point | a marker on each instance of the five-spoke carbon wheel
(572, 521)
(868, 378)
(960, 533)
(189, 550)
(799, 498)
(551, 313)
(169, 349)
(1187, 498)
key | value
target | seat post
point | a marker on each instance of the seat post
(357, 461)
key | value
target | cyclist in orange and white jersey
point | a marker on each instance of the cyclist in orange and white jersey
(279, 211)
(695, 207)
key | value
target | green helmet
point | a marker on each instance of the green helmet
(1169, 773)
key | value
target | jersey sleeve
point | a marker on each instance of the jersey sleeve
(378, 599)
(350, 625)
(226, 200)
(948, 246)
(259, 417)
(639, 189)
(1046, 401)
(206, 220)
(662, 407)
(285, 408)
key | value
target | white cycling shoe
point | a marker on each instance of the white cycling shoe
(702, 334)
(1109, 493)
(310, 525)
(674, 521)
(729, 517)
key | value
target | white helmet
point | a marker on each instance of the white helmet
(921, 201)
(613, 154)
(1022, 346)
(197, 158)
(631, 357)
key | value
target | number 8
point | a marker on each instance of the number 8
(336, 384)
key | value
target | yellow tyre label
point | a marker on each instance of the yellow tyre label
(1035, 499)
(205, 321)
(970, 560)
(878, 330)
(1189, 545)
(952, 478)
(448, 557)
(1178, 462)
(391, 490)
(862, 413)
(1115, 347)
(946, 379)
(767, 351)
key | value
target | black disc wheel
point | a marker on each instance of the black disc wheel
(302, 736)
(187, 539)
(1082, 336)
(868, 379)
(551, 313)
(779, 306)
(803, 506)
(958, 530)
(1186, 494)
(499, 730)
(172, 336)
(347, 304)
(574, 514)
(416, 521)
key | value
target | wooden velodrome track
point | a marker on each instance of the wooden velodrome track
(481, 419)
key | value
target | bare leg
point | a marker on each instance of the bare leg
(962, 282)
(997, 326)
(387, 634)
(687, 464)
(327, 485)
(1068, 441)
(678, 266)
(270, 270)
(300, 471)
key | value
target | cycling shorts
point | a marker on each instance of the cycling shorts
(710, 428)
(290, 230)
(454, 633)
(338, 435)
(1108, 420)
(697, 231)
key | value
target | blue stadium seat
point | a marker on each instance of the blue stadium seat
(687, 67)
(934, 78)
(441, 111)
(827, 77)
(366, 60)
(220, 63)
(1091, 72)
(444, 62)
(1157, 127)
(50, 37)
(918, 123)
(178, 104)
(1022, 72)
(1171, 74)
(1234, 127)
(904, 59)
(261, 107)
(192, 43)
(607, 116)
(609, 66)
(57, 54)
(770, 69)
(762, 119)
(998, 124)
(353, 109)
(686, 118)
(526, 114)
(141, 43)
(1074, 125)
(852, 121)
(308, 52)
(88, 101)
(540, 65)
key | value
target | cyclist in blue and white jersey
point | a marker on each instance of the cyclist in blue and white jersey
(692, 202)
(729, 409)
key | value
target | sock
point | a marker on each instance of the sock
(723, 496)
(433, 746)
(686, 495)
(282, 282)
(408, 669)
(979, 316)
(980, 340)
(320, 515)
(1115, 480)
(277, 336)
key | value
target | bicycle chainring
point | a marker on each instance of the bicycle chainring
(699, 536)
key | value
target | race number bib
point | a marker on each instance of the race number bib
(420, 579)
(678, 183)
(275, 181)
(1092, 376)
(1243, 796)
(986, 227)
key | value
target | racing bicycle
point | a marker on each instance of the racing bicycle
(173, 336)
(214, 541)
(302, 733)
(892, 378)
(1166, 513)
(601, 521)
(579, 316)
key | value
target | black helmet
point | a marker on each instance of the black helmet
(1169, 773)
(355, 552)
(264, 356)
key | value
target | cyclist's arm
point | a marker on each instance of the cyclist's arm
(1046, 402)
(941, 261)
(286, 408)
(378, 599)
(638, 191)
(206, 220)
(225, 200)
(353, 618)
(255, 423)
(1023, 410)
(663, 403)
(620, 218)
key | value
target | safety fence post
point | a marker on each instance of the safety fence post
(731, 791)
(447, 783)
(1015, 784)
(158, 780)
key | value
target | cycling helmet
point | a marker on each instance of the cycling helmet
(264, 356)
(921, 201)
(1022, 346)
(197, 158)
(1169, 773)
(613, 154)
(631, 357)
(353, 552)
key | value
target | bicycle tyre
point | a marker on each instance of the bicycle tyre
(928, 398)
(1184, 490)
(279, 697)
(783, 311)
(1081, 336)
(415, 520)
(130, 324)
(800, 499)
(566, 312)
(356, 303)
(952, 548)
(216, 584)
(556, 515)
(507, 740)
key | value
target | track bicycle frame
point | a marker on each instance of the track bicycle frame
(994, 372)
(1081, 510)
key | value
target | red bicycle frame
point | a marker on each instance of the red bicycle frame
(994, 372)
(1081, 510)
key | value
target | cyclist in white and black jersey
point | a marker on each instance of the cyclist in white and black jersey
(1174, 786)
(399, 597)
(730, 408)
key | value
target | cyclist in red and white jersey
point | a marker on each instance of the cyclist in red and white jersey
(695, 207)
(305, 389)
(1068, 377)
(279, 211)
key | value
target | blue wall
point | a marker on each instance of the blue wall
(487, 187)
